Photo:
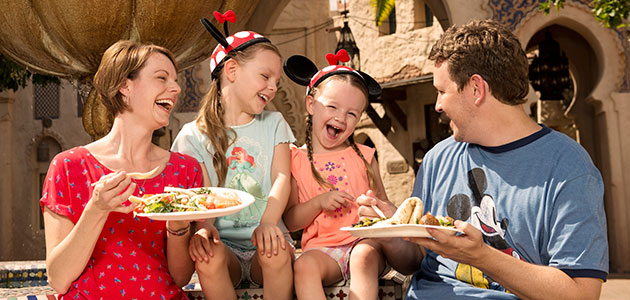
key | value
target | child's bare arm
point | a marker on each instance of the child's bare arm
(281, 184)
(268, 237)
(299, 215)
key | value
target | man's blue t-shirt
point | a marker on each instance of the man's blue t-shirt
(539, 199)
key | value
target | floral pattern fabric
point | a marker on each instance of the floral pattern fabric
(129, 258)
(346, 171)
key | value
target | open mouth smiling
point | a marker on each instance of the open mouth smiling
(165, 103)
(333, 131)
(263, 98)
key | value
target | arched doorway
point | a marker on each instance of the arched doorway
(583, 68)
(46, 150)
(599, 69)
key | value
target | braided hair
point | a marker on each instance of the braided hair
(354, 81)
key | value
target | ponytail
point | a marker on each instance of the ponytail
(210, 122)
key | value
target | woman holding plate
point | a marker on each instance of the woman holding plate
(95, 248)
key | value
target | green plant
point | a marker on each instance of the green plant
(382, 10)
(612, 13)
(14, 76)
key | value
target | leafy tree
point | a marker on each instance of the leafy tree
(14, 76)
(612, 13)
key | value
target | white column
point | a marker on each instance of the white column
(616, 177)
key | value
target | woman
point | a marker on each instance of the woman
(95, 247)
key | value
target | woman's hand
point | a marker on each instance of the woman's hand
(110, 192)
(267, 237)
(333, 200)
(202, 243)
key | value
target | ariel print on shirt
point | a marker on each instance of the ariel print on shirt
(483, 215)
(244, 165)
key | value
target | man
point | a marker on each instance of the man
(530, 199)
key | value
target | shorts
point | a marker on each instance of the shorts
(245, 258)
(341, 255)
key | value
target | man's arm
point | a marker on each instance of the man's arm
(526, 280)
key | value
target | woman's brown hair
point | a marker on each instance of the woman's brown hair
(123, 60)
(353, 81)
(210, 117)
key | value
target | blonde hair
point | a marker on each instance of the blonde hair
(210, 117)
(123, 60)
(353, 80)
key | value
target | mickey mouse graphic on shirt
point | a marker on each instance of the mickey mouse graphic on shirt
(483, 215)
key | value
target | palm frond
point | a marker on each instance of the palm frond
(382, 10)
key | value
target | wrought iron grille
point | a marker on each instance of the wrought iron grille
(46, 100)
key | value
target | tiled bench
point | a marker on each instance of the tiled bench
(27, 281)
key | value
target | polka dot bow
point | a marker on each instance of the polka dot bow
(303, 71)
(228, 43)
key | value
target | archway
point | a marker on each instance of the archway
(584, 67)
(599, 79)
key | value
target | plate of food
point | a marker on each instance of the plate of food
(191, 204)
(407, 221)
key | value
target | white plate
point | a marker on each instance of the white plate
(246, 200)
(402, 230)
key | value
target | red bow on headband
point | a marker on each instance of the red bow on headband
(341, 56)
(227, 16)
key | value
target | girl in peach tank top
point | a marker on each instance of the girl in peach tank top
(328, 173)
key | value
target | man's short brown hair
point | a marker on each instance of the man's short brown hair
(486, 48)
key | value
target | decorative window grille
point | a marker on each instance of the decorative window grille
(46, 99)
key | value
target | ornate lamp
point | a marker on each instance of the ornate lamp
(549, 75)
(346, 41)
(549, 71)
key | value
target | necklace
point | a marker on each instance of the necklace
(141, 190)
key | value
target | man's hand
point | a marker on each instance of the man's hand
(267, 238)
(466, 248)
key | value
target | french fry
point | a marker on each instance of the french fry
(135, 199)
(146, 175)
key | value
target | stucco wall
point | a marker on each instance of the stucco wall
(25, 237)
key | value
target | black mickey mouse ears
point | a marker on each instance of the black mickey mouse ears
(300, 69)
(303, 71)
(227, 44)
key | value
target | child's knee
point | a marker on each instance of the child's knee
(279, 261)
(214, 263)
(304, 265)
(364, 253)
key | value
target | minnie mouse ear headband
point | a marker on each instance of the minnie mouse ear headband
(302, 71)
(228, 43)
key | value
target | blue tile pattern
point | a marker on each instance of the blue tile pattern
(23, 274)
(190, 97)
(511, 12)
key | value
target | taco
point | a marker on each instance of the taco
(403, 213)
(417, 212)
